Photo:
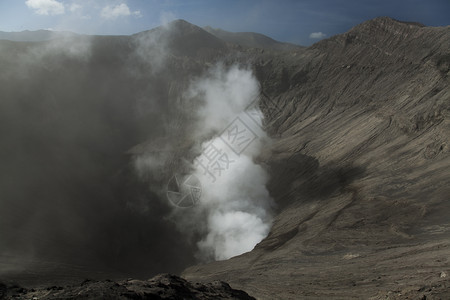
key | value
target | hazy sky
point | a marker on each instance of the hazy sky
(302, 21)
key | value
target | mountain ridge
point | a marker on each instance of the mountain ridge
(35, 35)
(250, 39)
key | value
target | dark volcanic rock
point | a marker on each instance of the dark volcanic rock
(2, 290)
(163, 286)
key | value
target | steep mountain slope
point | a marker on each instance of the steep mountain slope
(360, 168)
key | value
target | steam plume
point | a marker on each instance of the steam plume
(234, 197)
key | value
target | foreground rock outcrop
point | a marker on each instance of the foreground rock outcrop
(163, 286)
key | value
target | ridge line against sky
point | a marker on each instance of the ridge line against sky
(301, 22)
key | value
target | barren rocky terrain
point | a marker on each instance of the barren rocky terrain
(360, 169)
(359, 166)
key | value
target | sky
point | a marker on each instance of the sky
(301, 22)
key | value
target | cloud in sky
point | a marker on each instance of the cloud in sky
(317, 35)
(74, 7)
(120, 10)
(297, 22)
(46, 7)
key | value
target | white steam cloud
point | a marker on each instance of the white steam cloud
(233, 213)
(237, 205)
(234, 196)
(223, 95)
(220, 139)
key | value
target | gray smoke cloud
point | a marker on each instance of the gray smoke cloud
(69, 195)
(234, 208)
(151, 47)
(91, 131)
